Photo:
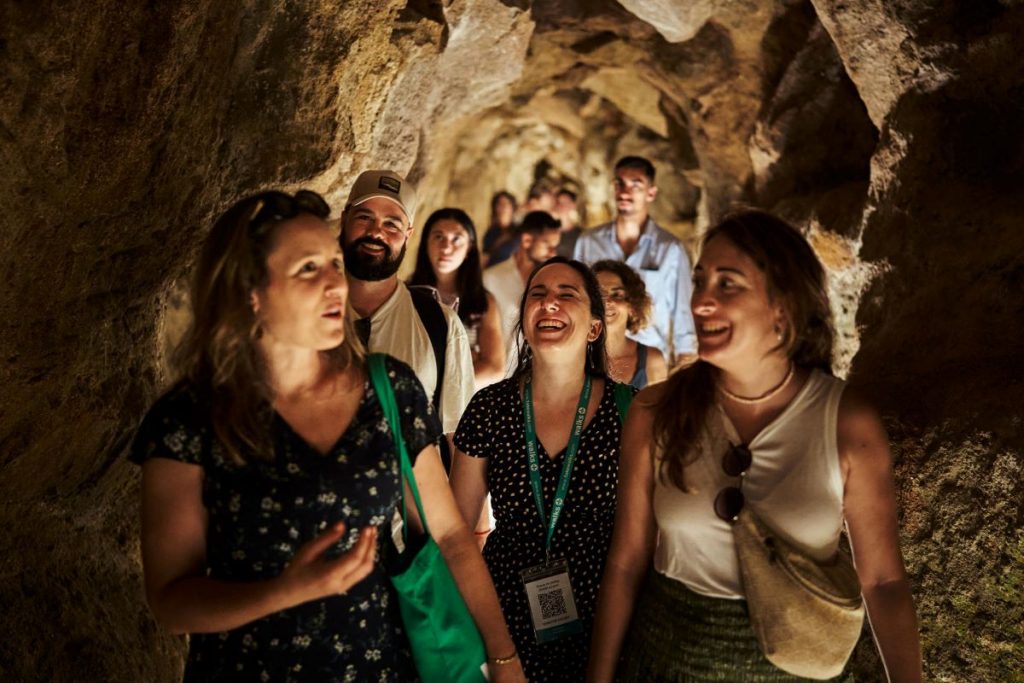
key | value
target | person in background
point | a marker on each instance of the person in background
(757, 421)
(540, 198)
(375, 229)
(532, 422)
(537, 241)
(626, 308)
(269, 467)
(501, 228)
(448, 260)
(658, 256)
(568, 215)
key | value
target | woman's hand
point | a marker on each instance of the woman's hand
(310, 575)
(185, 600)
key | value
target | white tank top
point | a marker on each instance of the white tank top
(794, 483)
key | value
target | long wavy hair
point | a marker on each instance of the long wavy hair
(796, 280)
(597, 362)
(219, 355)
(469, 281)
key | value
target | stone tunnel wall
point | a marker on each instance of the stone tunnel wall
(891, 130)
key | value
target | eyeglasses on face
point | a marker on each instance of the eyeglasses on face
(730, 500)
(273, 207)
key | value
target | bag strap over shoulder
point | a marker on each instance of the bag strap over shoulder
(623, 399)
(431, 313)
(386, 396)
(432, 316)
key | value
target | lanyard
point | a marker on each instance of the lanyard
(570, 457)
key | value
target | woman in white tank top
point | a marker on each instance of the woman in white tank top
(816, 458)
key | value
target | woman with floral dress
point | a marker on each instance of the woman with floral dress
(269, 467)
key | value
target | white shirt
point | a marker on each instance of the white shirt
(794, 484)
(396, 329)
(506, 285)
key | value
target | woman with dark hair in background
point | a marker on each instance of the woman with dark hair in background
(758, 422)
(268, 468)
(448, 260)
(627, 307)
(501, 229)
(544, 443)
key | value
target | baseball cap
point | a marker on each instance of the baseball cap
(386, 184)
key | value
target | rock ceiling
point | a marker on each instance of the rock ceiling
(889, 129)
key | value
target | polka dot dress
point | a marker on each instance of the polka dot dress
(260, 514)
(492, 428)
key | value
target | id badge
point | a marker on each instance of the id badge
(549, 594)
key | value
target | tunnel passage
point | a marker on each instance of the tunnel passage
(888, 131)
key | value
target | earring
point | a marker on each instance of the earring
(778, 333)
(590, 354)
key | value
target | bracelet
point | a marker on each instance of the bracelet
(504, 660)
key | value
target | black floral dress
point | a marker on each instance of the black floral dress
(492, 428)
(261, 513)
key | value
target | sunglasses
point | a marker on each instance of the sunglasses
(730, 500)
(273, 207)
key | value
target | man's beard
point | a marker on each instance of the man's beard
(369, 268)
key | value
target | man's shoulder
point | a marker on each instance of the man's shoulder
(507, 264)
(660, 234)
(497, 277)
(597, 233)
(595, 243)
(428, 308)
(396, 305)
(455, 327)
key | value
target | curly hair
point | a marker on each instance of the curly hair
(636, 292)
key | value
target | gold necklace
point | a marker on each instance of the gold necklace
(763, 397)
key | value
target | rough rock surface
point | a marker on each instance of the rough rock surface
(889, 130)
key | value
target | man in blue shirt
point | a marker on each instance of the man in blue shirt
(657, 255)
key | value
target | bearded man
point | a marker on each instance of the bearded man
(375, 230)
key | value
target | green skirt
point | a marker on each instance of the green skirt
(678, 636)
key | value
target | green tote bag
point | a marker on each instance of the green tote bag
(445, 642)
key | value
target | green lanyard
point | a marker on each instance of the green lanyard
(570, 457)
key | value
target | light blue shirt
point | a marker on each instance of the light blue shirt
(661, 261)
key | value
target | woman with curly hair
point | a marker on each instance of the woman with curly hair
(627, 308)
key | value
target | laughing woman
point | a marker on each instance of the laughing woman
(269, 467)
(545, 444)
(758, 422)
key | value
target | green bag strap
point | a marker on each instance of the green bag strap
(386, 396)
(623, 397)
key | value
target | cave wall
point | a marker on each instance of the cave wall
(944, 322)
(890, 130)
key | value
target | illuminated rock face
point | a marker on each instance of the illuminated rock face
(890, 130)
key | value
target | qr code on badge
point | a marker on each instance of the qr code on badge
(552, 604)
